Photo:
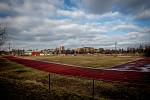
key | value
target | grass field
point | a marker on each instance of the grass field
(100, 61)
(18, 82)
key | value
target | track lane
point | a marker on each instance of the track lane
(133, 77)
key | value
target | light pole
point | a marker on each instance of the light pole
(9, 47)
(115, 48)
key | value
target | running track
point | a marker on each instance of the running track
(132, 77)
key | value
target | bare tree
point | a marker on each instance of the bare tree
(3, 34)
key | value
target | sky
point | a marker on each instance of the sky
(40, 24)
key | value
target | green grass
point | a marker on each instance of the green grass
(18, 82)
(100, 61)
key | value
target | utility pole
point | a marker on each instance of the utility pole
(49, 82)
(93, 90)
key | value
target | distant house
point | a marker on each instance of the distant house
(28, 53)
(35, 53)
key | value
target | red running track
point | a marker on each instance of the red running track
(97, 74)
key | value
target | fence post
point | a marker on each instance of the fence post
(93, 90)
(49, 82)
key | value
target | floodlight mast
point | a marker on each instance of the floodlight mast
(115, 48)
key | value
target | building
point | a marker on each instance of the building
(61, 49)
(88, 50)
(85, 50)
(35, 53)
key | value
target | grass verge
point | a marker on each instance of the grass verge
(18, 82)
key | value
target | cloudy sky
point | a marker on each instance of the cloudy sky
(76, 23)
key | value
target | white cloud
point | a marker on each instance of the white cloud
(134, 34)
(72, 14)
(139, 35)
(40, 23)
(4, 6)
(126, 26)
(79, 14)
(143, 15)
